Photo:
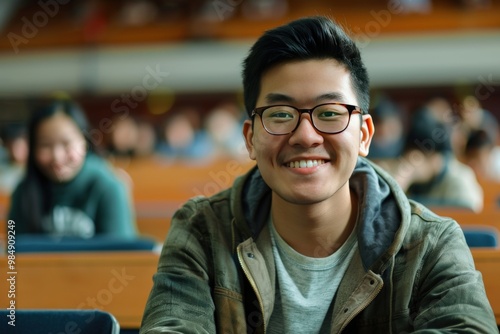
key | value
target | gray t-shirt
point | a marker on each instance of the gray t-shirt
(306, 286)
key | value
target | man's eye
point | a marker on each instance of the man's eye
(328, 114)
(281, 115)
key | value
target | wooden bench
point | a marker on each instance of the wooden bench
(156, 180)
(465, 217)
(159, 189)
(491, 193)
(487, 261)
(117, 282)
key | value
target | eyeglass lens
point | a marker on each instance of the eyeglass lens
(329, 118)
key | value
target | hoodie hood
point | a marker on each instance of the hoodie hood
(383, 210)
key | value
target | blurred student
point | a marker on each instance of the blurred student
(146, 139)
(224, 128)
(68, 190)
(475, 117)
(182, 137)
(388, 140)
(429, 171)
(16, 146)
(480, 156)
(122, 139)
(472, 117)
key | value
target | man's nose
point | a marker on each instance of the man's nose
(306, 134)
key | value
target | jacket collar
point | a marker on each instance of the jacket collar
(383, 217)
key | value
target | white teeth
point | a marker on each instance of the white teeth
(305, 163)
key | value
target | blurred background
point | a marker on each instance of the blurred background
(152, 58)
(160, 81)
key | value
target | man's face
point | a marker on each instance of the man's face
(329, 158)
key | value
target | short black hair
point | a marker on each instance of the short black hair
(428, 134)
(315, 37)
(12, 131)
(478, 139)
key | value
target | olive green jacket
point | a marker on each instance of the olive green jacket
(412, 271)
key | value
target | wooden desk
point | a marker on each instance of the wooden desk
(487, 261)
(153, 218)
(491, 192)
(117, 282)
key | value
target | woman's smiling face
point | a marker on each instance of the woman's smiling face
(60, 148)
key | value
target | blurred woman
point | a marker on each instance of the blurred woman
(67, 189)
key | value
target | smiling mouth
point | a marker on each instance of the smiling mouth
(305, 163)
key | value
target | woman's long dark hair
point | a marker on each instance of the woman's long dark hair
(35, 198)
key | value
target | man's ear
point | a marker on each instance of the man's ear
(248, 134)
(366, 135)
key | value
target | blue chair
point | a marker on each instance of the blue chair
(32, 243)
(58, 321)
(481, 236)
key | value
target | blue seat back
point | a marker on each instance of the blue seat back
(481, 236)
(58, 321)
(41, 243)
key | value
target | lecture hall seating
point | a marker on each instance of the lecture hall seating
(116, 282)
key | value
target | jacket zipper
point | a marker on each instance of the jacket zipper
(254, 287)
(360, 308)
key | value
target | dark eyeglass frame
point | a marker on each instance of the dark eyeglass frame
(351, 109)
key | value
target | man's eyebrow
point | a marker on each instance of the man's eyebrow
(272, 98)
(335, 96)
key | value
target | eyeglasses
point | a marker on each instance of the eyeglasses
(330, 118)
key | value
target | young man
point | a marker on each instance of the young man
(314, 239)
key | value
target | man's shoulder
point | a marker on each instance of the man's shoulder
(216, 207)
(425, 215)
(426, 224)
(208, 219)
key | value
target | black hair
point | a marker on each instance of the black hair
(383, 108)
(35, 201)
(315, 37)
(428, 134)
(478, 139)
(12, 131)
